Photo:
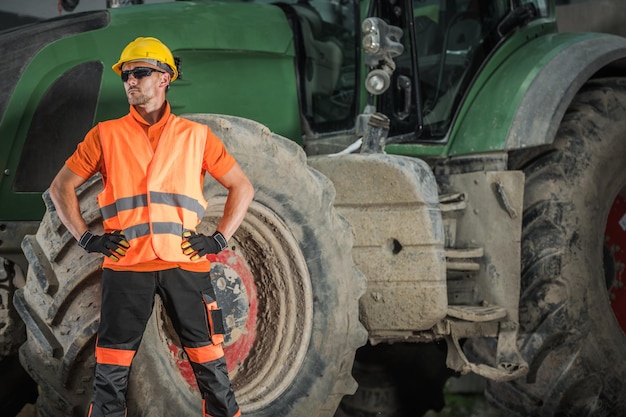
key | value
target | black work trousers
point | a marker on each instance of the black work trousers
(127, 303)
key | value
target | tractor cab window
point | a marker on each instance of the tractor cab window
(326, 41)
(451, 40)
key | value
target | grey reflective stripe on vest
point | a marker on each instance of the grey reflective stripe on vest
(161, 228)
(136, 231)
(158, 228)
(125, 203)
(169, 199)
(177, 200)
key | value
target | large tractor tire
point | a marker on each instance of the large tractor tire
(572, 266)
(16, 387)
(287, 285)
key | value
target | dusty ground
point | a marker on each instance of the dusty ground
(458, 405)
(467, 405)
(28, 411)
(464, 398)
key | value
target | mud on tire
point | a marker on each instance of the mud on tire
(306, 290)
(569, 334)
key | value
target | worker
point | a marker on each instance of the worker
(153, 165)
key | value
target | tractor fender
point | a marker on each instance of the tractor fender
(522, 102)
(555, 86)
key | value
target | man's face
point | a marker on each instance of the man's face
(140, 90)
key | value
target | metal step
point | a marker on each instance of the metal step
(476, 313)
(463, 259)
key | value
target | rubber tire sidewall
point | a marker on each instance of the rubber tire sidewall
(569, 333)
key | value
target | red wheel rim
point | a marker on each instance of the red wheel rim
(237, 296)
(615, 249)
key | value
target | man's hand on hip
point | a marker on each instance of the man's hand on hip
(109, 244)
(196, 245)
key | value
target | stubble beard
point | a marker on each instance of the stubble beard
(136, 98)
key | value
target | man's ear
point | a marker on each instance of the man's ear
(166, 79)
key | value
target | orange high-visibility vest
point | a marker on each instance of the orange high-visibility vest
(153, 196)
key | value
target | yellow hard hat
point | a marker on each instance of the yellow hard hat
(150, 50)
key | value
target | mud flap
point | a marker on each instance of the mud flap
(485, 286)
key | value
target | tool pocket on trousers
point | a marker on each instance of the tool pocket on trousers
(215, 319)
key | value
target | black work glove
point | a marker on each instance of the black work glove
(109, 244)
(196, 245)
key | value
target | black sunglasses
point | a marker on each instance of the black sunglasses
(139, 73)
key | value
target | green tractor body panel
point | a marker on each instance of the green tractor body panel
(226, 68)
(522, 103)
(522, 92)
(493, 97)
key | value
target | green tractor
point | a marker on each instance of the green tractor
(440, 190)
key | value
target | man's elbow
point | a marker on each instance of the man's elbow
(55, 190)
(62, 186)
(248, 191)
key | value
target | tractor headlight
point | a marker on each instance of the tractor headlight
(380, 40)
(381, 43)
(371, 36)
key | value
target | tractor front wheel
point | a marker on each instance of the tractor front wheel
(287, 286)
(572, 304)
